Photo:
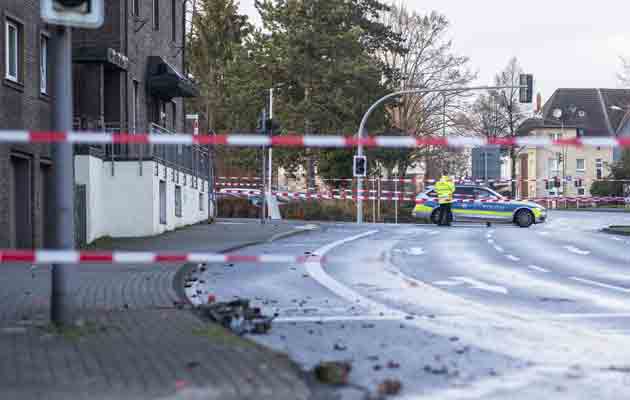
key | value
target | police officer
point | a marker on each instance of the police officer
(445, 188)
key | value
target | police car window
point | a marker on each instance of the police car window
(483, 194)
(462, 191)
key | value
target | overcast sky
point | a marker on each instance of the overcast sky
(563, 43)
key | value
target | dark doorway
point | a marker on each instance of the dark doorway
(22, 203)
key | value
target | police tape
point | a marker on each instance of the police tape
(255, 140)
(43, 256)
(314, 196)
(586, 200)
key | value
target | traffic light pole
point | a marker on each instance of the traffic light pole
(361, 131)
(63, 274)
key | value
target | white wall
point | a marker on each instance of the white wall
(127, 204)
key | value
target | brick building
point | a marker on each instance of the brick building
(128, 77)
(25, 103)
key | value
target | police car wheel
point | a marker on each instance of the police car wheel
(435, 215)
(524, 218)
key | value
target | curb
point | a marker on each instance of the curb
(178, 281)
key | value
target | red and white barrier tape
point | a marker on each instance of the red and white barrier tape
(122, 257)
(314, 196)
(537, 199)
(21, 136)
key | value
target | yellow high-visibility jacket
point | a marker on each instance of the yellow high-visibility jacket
(445, 189)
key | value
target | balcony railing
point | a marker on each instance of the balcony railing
(192, 160)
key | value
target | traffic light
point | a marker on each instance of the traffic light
(272, 127)
(359, 166)
(76, 13)
(556, 182)
(526, 92)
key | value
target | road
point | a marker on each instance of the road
(464, 312)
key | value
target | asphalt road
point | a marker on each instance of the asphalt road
(454, 313)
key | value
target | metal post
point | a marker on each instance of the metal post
(63, 274)
(263, 210)
(396, 198)
(270, 133)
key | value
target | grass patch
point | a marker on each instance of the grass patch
(219, 335)
(76, 332)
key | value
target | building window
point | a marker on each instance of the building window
(200, 201)
(174, 20)
(13, 51)
(43, 64)
(581, 191)
(599, 168)
(136, 8)
(156, 15)
(556, 136)
(579, 165)
(178, 201)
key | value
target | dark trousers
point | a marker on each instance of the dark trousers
(445, 215)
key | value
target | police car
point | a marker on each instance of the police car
(482, 204)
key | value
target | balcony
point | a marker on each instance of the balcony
(192, 160)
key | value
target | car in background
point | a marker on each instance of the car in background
(474, 203)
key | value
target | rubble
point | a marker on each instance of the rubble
(237, 315)
(333, 372)
(389, 387)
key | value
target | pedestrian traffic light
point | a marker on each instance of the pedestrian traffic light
(526, 91)
(359, 166)
(76, 13)
(272, 127)
(556, 182)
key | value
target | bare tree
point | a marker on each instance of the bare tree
(430, 62)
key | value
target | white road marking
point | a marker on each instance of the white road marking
(544, 233)
(600, 284)
(432, 233)
(537, 268)
(575, 250)
(315, 270)
(475, 284)
(447, 283)
(415, 251)
(513, 258)
(490, 241)
(498, 248)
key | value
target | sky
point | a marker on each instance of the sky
(565, 44)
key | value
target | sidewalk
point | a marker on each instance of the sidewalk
(134, 344)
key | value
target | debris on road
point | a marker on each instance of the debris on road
(333, 372)
(389, 387)
(237, 315)
(340, 347)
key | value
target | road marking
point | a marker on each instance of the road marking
(315, 270)
(575, 250)
(498, 248)
(543, 233)
(490, 241)
(475, 284)
(340, 318)
(537, 268)
(513, 258)
(447, 283)
(600, 284)
(415, 251)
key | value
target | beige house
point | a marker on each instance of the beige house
(568, 114)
